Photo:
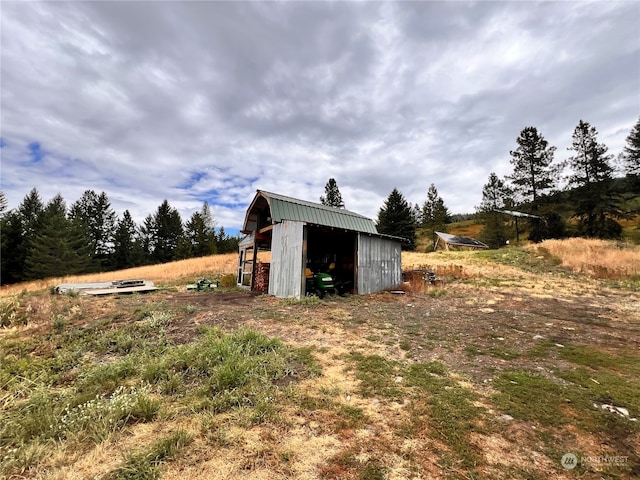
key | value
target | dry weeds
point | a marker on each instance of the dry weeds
(599, 258)
(164, 273)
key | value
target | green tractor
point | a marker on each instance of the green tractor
(203, 284)
(320, 284)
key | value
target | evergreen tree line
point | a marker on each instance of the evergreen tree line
(40, 241)
(46, 240)
(590, 204)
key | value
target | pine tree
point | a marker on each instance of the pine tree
(496, 195)
(207, 217)
(31, 210)
(201, 237)
(11, 248)
(145, 237)
(631, 152)
(533, 172)
(3, 203)
(184, 249)
(332, 196)
(93, 213)
(595, 204)
(59, 247)
(226, 243)
(435, 214)
(167, 232)
(416, 213)
(19, 230)
(395, 218)
(126, 250)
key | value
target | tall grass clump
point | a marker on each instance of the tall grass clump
(145, 465)
(11, 313)
(222, 371)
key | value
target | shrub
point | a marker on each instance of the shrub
(11, 313)
(228, 281)
(145, 465)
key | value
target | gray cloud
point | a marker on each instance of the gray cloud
(195, 101)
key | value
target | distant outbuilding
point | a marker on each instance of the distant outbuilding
(306, 239)
(448, 240)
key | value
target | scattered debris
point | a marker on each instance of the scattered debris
(538, 337)
(425, 275)
(107, 288)
(505, 418)
(203, 284)
(623, 412)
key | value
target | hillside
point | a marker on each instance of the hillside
(515, 358)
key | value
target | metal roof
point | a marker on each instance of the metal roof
(517, 214)
(288, 208)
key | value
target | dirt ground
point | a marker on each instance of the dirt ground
(475, 328)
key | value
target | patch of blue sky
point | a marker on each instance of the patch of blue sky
(215, 199)
(233, 232)
(2, 142)
(35, 151)
(193, 179)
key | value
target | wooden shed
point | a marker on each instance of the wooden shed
(305, 237)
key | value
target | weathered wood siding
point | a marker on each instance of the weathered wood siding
(285, 279)
(379, 264)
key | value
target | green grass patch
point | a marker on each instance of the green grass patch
(590, 389)
(450, 411)
(351, 417)
(61, 397)
(531, 396)
(436, 401)
(146, 465)
(625, 362)
(535, 262)
(377, 375)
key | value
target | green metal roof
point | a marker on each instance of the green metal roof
(288, 208)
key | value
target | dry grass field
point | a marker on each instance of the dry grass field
(600, 258)
(515, 358)
(173, 272)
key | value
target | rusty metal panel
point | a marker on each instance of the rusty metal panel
(285, 278)
(379, 264)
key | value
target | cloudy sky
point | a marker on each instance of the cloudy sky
(210, 101)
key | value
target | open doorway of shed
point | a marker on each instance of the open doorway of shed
(333, 251)
(326, 250)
